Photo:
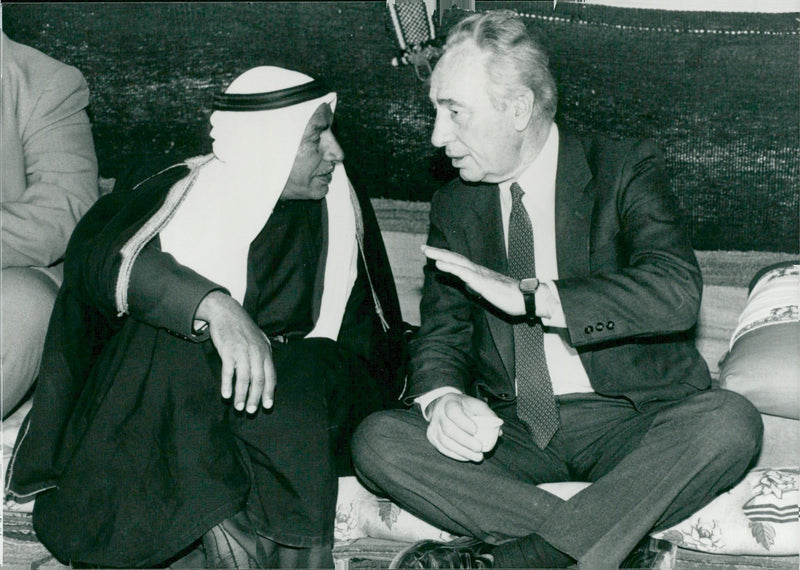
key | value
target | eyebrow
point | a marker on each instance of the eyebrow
(321, 126)
(445, 101)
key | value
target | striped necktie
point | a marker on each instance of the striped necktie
(536, 405)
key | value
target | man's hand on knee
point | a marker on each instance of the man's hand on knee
(451, 429)
(244, 350)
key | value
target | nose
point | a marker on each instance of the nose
(442, 132)
(332, 152)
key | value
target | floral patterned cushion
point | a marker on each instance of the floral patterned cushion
(361, 514)
(758, 516)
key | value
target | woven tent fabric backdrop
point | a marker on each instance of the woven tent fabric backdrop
(718, 92)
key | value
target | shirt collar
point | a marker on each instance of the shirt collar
(541, 173)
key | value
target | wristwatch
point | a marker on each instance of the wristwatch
(528, 287)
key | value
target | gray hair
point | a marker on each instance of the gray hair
(516, 59)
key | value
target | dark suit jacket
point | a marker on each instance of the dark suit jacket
(629, 282)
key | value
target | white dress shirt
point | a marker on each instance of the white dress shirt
(538, 182)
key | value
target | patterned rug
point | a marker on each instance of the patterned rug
(21, 549)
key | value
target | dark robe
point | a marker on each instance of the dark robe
(132, 450)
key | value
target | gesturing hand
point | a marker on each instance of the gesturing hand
(452, 429)
(244, 350)
(500, 290)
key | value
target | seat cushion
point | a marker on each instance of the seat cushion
(759, 516)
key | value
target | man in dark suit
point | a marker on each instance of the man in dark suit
(560, 299)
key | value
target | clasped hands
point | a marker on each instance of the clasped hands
(244, 349)
(452, 428)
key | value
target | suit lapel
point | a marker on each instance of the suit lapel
(485, 229)
(574, 200)
(487, 248)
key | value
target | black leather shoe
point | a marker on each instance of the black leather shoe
(459, 553)
(652, 553)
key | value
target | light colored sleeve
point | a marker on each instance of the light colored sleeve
(61, 173)
(427, 398)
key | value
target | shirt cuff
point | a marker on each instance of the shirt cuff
(427, 398)
(199, 328)
(556, 318)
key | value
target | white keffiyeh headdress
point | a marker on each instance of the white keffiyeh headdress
(210, 218)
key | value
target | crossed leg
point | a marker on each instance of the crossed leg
(649, 469)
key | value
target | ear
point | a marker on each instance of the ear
(522, 106)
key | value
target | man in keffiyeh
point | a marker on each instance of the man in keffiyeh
(223, 326)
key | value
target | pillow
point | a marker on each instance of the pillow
(763, 360)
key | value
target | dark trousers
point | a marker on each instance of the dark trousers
(649, 470)
(296, 450)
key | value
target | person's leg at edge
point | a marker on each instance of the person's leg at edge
(25, 307)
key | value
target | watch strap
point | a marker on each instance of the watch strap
(530, 304)
(529, 296)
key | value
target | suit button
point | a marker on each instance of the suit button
(589, 329)
(503, 395)
(610, 325)
(598, 326)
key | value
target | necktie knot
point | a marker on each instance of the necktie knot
(516, 192)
